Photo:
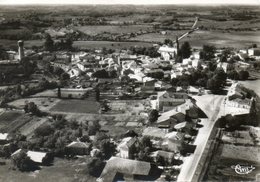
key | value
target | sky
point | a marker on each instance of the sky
(184, 2)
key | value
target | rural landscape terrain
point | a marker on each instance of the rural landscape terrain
(129, 93)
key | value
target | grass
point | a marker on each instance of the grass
(62, 170)
(108, 44)
(199, 38)
(76, 106)
(8, 117)
(114, 29)
(16, 124)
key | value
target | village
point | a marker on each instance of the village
(131, 116)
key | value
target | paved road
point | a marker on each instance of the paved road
(211, 105)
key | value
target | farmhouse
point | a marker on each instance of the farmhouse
(130, 169)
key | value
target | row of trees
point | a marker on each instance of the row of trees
(50, 45)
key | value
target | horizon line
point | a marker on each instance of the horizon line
(132, 4)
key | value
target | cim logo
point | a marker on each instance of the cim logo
(243, 169)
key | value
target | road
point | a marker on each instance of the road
(211, 105)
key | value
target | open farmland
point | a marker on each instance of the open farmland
(113, 29)
(108, 44)
(62, 169)
(5, 43)
(44, 104)
(15, 124)
(8, 117)
(76, 106)
(198, 38)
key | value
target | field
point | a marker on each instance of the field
(113, 29)
(15, 124)
(196, 39)
(8, 117)
(199, 38)
(62, 170)
(44, 104)
(13, 43)
(108, 44)
(220, 168)
(76, 106)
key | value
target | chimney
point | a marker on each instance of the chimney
(20, 50)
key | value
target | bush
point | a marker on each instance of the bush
(23, 162)
(95, 167)
(44, 130)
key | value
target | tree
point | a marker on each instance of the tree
(185, 50)
(31, 107)
(220, 75)
(48, 44)
(97, 94)
(101, 74)
(107, 148)
(23, 162)
(95, 167)
(168, 42)
(153, 116)
(243, 75)
(208, 52)
(68, 44)
(65, 76)
(213, 85)
(92, 129)
(145, 142)
(160, 161)
(58, 71)
(43, 130)
(233, 75)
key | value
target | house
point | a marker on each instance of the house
(154, 133)
(254, 52)
(125, 147)
(74, 72)
(235, 91)
(167, 53)
(3, 138)
(167, 100)
(195, 63)
(223, 65)
(78, 148)
(176, 73)
(167, 156)
(193, 90)
(170, 118)
(148, 84)
(185, 126)
(37, 157)
(84, 66)
(173, 141)
(129, 169)
(7, 66)
(239, 103)
(189, 108)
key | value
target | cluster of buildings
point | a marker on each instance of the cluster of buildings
(237, 101)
